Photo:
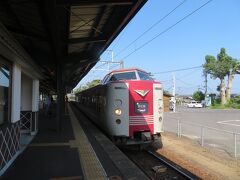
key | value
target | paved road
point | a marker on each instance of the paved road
(226, 120)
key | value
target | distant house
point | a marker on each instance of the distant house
(166, 99)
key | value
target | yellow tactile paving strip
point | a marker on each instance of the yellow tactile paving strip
(91, 167)
(49, 144)
(67, 178)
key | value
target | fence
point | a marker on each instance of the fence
(9, 144)
(29, 122)
(223, 139)
(26, 121)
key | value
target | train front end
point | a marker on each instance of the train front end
(137, 102)
(145, 110)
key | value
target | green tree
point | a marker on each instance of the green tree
(219, 68)
(198, 96)
(234, 69)
(91, 84)
(81, 88)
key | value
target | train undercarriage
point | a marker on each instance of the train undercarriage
(144, 140)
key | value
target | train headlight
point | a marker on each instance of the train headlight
(118, 112)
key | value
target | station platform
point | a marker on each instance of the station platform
(79, 151)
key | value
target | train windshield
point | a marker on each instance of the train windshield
(132, 75)
(144, 76)
(124, 76)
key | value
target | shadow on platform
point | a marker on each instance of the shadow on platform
(49, 155)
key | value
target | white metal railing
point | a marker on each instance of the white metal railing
(10, 144)
(26, 121)
(203, 131)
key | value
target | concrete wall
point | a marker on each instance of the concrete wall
(35, 95)
(26, 93)
(20, 98)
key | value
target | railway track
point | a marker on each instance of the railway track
(157, 167)
(154, 165)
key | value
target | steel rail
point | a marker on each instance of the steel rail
(172, 166)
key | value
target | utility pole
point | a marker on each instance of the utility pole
(206, 99)
(108, 63)
(174, 92)
(122, 64)
(205, 81)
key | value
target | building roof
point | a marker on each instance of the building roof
(167, 94)
(126, 70)
(66, 35)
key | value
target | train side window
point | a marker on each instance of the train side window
(113, 78)
(105, 79)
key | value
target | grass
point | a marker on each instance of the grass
(233, 103)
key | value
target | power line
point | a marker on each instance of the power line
(166, 81)
(211, 89)
(164, 17)
(175, 70)
(169, 88)
(183, 76)
(187, 87)
(184, 82)
(119, 37)
(189, 74)
(167, 29)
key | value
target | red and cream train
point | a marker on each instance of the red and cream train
(129, 106)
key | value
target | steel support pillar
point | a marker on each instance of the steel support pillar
(60, 96)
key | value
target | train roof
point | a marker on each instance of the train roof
(126, 70)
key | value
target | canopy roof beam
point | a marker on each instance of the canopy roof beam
(86, 40)
(94, 2)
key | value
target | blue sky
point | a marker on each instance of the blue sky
(184, 46)
(4, 81)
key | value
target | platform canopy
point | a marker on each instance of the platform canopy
(70, 34)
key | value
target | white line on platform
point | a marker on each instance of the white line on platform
(228, 122)
(190, 136)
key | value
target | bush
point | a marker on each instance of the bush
(233, 103)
